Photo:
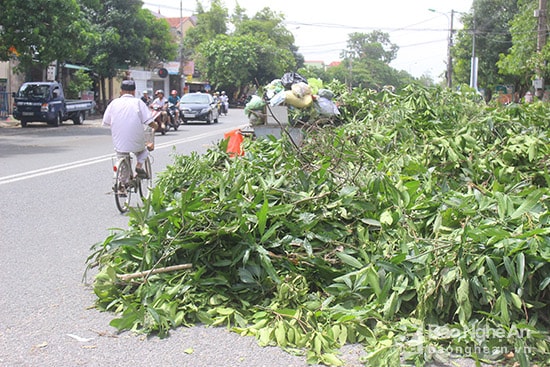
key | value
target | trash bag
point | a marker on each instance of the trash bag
(326, 107)
(277, 99)
(301, 89)
(291, 78)
(295, 101)
(234, 144)
(325, 93)
(273, 88)
(316, 84)
(255, 103)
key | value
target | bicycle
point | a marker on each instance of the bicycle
(126, 182)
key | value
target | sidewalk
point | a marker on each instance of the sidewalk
(9, 122)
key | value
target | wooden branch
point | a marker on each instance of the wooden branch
(147, 273)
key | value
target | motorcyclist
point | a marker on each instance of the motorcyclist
(174, 103)
(224, 99)
(218, 101)
(159, 105)
(146, 98)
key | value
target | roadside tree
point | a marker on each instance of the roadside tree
(39, 32)
(486, 33)
(523, 60)
(234, 62)
(127, 36)
(366, 62)
(209, 24)
(270, 24)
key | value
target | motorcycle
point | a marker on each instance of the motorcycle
(224, 105)
(173, 121)
(157, 112)
(222, 108)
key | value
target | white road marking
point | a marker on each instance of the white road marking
(94, 160)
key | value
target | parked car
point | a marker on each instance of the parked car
(45, 102)
(198, 107)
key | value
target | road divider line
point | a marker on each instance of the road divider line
(89, 161)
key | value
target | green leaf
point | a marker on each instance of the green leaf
(528, 204)
(330, 359)
(262, 216)
(516, 300)
(349, 260)
(374, 280)
(520, 268)
(494, 272)
(280, 334)
(463, 300)
(386, 218)
(371, 222)
(544, 283)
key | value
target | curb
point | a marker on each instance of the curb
(9, 122)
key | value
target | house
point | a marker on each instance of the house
(321, 64)
(315, 64)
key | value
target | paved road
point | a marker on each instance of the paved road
(55, 204)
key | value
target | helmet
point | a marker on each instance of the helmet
(223, 92)
(145, 92)
(174, 91)
(159, 91)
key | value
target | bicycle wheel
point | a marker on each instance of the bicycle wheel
(146, 184)
(121, 189)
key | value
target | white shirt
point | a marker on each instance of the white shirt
(159, 102)
(127, 116)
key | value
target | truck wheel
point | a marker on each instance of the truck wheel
(57, 120)
(23, 123)
(79, 118)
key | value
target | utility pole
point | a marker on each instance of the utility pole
(474, 65)
(541, 42)
(449, 73)
(449, 54)
(181, 75)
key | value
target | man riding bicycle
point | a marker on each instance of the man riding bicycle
(128, 117)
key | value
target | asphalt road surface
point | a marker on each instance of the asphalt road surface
(56, 202)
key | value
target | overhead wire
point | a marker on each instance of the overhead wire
(324, 48)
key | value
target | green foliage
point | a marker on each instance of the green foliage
(375, 45)
(105, 35)
(126, 35)
(241, 60)
(269, 24)
(366, 62)
(488, 23)
(80, 81)
(40, 31)
(420, 226)
(523, 27)
(209, 25)
(259, 50)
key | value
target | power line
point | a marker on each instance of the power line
(164, 6)
(346, 26)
